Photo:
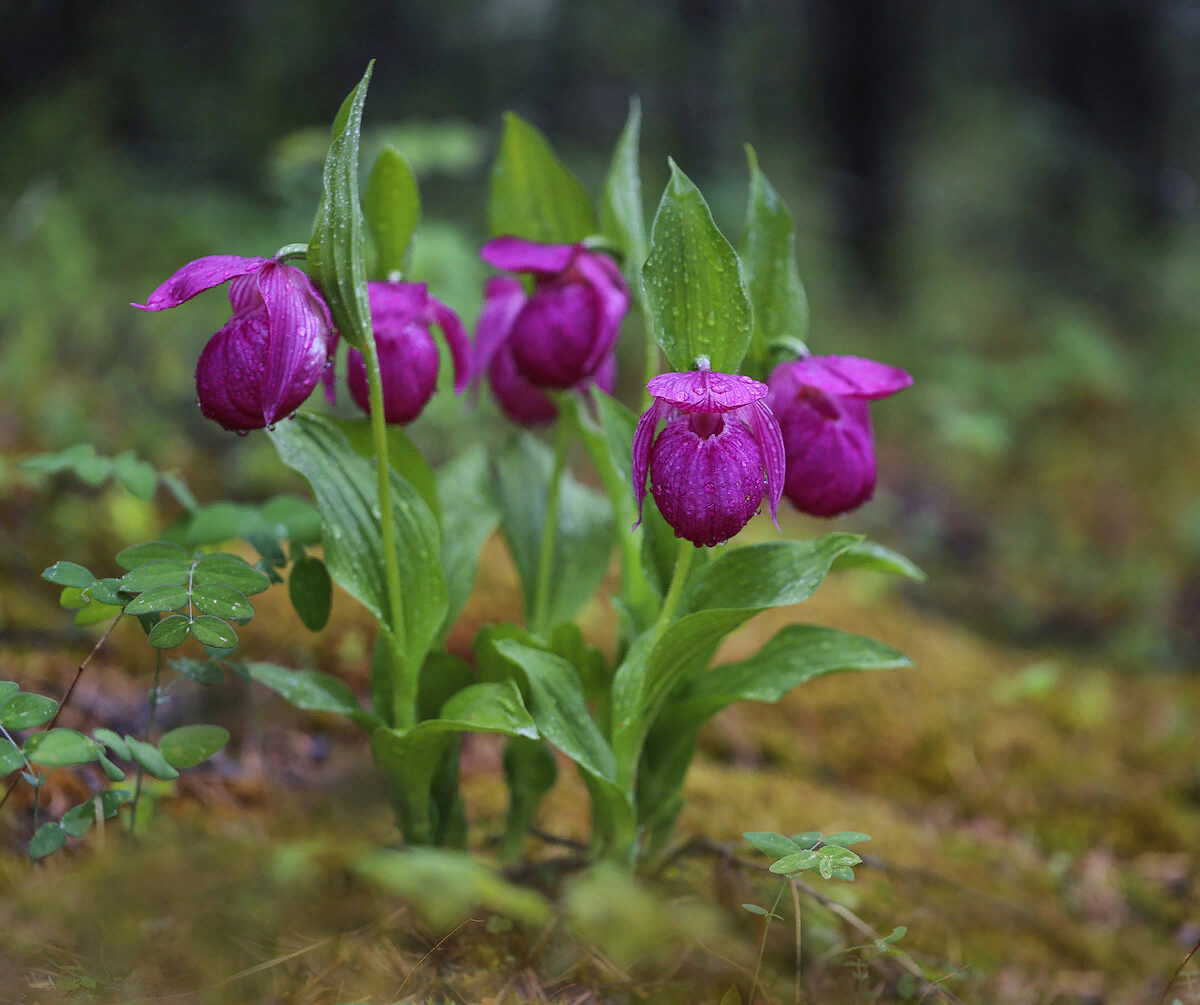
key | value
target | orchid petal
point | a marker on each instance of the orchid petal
(514, 254)
(298, 337)
(643, 437)
(765, 427)
(503, 300)
(706, 391)
(456, 339)
(848, 376)
(602, 274)
(198, 276)
(404, 302)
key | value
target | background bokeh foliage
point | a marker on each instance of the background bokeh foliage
(998, 197)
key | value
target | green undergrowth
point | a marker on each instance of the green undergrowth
(1034, 822)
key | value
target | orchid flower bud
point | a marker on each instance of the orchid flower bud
(568, 326)
(401, 314)
(706, 466)
(821, 405)
(265, 361)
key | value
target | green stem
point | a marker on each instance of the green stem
(683, 562)
(541, 602)
(405, 685)
(762, 948)
(137, 789)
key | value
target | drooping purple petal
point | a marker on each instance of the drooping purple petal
(643, 437)
(503, 300)
(408, 369)
(848, 376)
(402, 302)
(521, 401)
(765, 428)
(830, 461)
(198, 276)
(298, 338)
(706, 391)
(514, 254)
(553, 337)
(456, 339)
(602, 274)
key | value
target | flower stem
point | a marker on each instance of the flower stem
(683, 562)
(137, 789)
(405, 686)
(541, 604)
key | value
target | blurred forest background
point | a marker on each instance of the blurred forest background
(999, 196)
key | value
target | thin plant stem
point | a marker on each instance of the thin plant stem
(683, 562)
(541, 602)
(137, 788)
(799, 946)
(762, 946)
(405, 687)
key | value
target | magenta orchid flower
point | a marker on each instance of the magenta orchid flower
(265, 361)
(524, 402)
(564, 331)
(706, 466)
(401, 315)
(821, 405)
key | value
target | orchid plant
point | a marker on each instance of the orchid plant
(743, 413)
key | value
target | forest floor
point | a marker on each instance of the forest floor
(1034, 822)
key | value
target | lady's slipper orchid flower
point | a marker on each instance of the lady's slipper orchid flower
(522, 401)
(261, 366)
(401, 314)
(706, 466)
(821, 405)
(565, 330)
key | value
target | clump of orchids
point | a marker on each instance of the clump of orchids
(744, 413)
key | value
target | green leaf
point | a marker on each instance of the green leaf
(160, 572)
(844, 838)
(25, 710)
(93, 613)
(52, 463)
(403, 455)
(93, 470)
(170, 632)
(212, 632)
(69, 574)
(768, 255)
(530, 771)
(229, 570)
(158, 598)
(72, 598)
(532, 194)
(50, 837)
(522, 468)
(347, 494)
(151, 758)
(78, 819)
(113, 741)
(732, 996)
(877, 558)
(559, 708)
(137, 477)
(622, 217)
(293, 518)
(312, 691)
(393, 210)
(206, 672)
(762, 912)
(775, 845)
(797, 862)
(311, 592)
(469, 516)
(808, 839)
(694, 283)
(188, 746)
(107, 591)
(151, 551)
(11, 757)
(59, 746)
(111, 771)
(222, 601)
(8, 688)
(336, 257)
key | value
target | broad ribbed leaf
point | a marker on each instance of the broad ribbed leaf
(521, 474)
(694, 283)
(393, 210)
(347, 494)
(403, 455)
(532, 194)
(768, 255)
(622, 217)
(188, 746)
(312, 691)
(336, 258)
(469, 516)
(878, 558)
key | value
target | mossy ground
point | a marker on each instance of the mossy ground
(1035, 824)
